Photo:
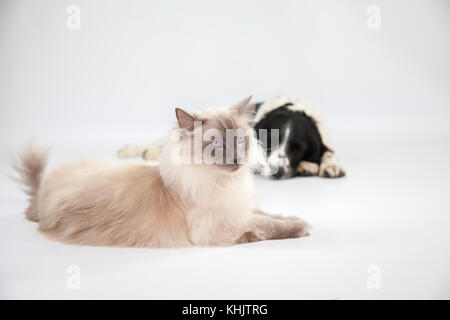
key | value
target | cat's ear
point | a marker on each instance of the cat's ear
(244, 107)
(185, 120)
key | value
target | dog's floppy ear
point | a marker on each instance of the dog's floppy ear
(244, 107)
(185, 120)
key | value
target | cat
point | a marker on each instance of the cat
(178, 203)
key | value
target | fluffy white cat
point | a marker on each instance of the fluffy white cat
(174, 204)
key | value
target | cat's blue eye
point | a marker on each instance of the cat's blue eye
(241, 139)
(216, 143)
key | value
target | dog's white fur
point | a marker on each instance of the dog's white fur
(278, 157)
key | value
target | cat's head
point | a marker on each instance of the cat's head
(220, 139)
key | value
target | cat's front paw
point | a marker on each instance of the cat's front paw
(249, 236)
(332, 171)
(300, 228)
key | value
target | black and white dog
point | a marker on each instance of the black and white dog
(303, 148)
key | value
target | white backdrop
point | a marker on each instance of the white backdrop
(131, 62)
(383, 92)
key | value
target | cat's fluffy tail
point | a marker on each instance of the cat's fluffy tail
(30, 166)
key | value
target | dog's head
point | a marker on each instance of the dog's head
(283, 141)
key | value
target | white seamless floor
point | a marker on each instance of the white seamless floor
(381, 232)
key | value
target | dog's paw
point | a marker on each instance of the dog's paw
(308, 169)
(151, 153)
(129, 151)
(332, 171)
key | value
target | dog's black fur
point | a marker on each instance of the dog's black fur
(304, 142)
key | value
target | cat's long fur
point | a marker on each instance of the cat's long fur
(140, 205)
